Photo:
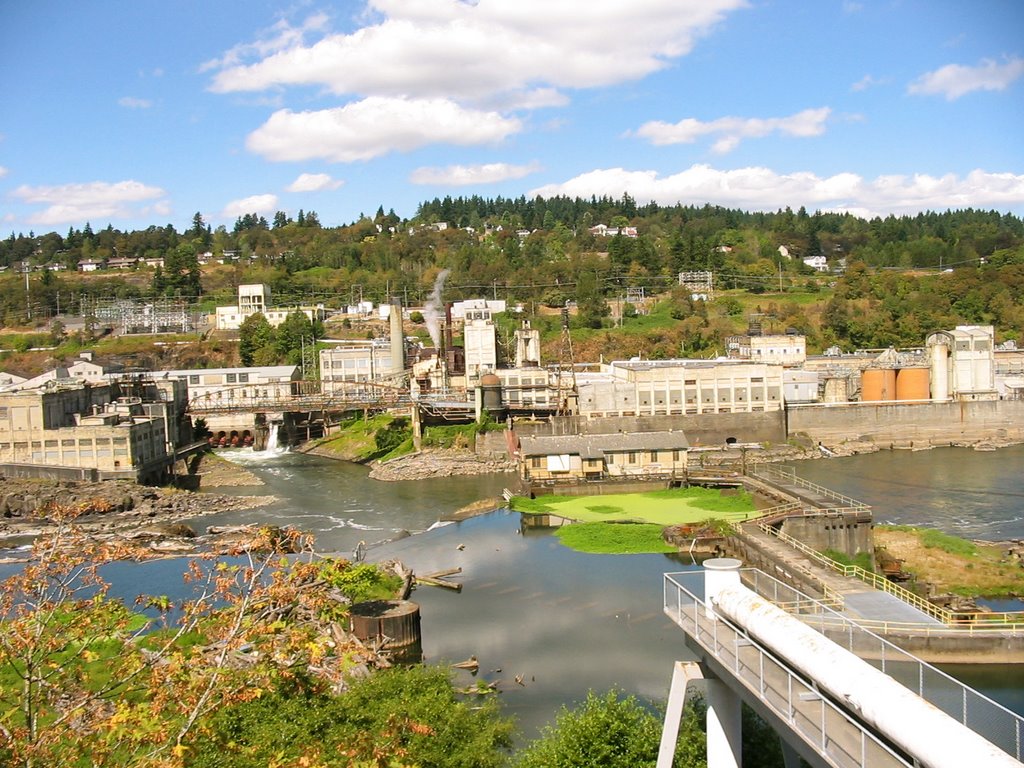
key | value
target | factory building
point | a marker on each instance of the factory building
(68, 429)
(661, 387)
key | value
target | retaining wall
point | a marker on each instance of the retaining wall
(909, 425)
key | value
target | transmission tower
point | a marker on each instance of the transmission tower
(566, 362)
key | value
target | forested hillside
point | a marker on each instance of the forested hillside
(888, 281)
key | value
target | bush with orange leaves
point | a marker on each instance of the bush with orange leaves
(85, 679)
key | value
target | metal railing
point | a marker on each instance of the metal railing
(963, 622)
(826, 728)
(773, 474)
(986, 717)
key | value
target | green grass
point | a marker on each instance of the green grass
(862, 559)
(668, 507)
(610, 539)
(934, 539)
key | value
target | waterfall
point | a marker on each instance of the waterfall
(271, 438)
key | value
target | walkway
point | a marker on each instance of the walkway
(859, 601)
(835, 722)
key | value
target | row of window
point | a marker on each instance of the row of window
(631, 457)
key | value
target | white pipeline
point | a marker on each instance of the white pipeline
(926, 733)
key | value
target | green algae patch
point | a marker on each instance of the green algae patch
(614, 539)
(664, 507)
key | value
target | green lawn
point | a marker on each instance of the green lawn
(671, 507)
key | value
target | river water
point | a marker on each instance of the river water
(562, 622)
(566, 622)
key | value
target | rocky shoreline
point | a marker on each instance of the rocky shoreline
(119, 510)
(440, 463)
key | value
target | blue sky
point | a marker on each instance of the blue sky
(140, 112)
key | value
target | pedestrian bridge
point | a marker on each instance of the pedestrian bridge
(837, 694)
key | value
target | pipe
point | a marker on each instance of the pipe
(926, 733)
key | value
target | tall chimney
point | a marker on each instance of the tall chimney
(397, 336)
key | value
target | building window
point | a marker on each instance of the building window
(675, 456)
(243, 378)
(536, 462)
(193, 379)
(631, 457)
(4, 413)
(654, 456)
(231, 378)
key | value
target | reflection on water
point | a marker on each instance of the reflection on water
(565, 621)
(341, 506)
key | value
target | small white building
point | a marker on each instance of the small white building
(800, 386)
(255, 298)
(463, 310)
(778, 349)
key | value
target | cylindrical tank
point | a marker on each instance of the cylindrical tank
(491, 386)
(912, 384)
(940, 372)
(836, 390)
(396, 620)
(878, 385)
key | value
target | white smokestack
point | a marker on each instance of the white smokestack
(433, 312)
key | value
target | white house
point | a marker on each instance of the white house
(819, 263)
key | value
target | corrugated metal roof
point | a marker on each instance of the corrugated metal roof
(596, 446)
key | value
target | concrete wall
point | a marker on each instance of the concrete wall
(906, 425)
(39, 471)
(842, 533)
(703, 430)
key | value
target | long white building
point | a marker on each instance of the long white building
(662, 387)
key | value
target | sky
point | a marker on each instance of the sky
(145, 112)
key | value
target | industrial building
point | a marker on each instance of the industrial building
(963, 363)
(779, 349)
(115, 430)
(662, 387)
(356, 361)
(255, 299)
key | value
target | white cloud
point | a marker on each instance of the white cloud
(956, 80)
(313, 182)
(3, 171)
(731, 130)
(755, 188)
(130, 102)
(281, 36)
(375, 126)
(93, 201)
(470, 51)
(868, 81)
(465, 175)
(261, 204)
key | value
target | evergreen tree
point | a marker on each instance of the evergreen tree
(255, 334)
